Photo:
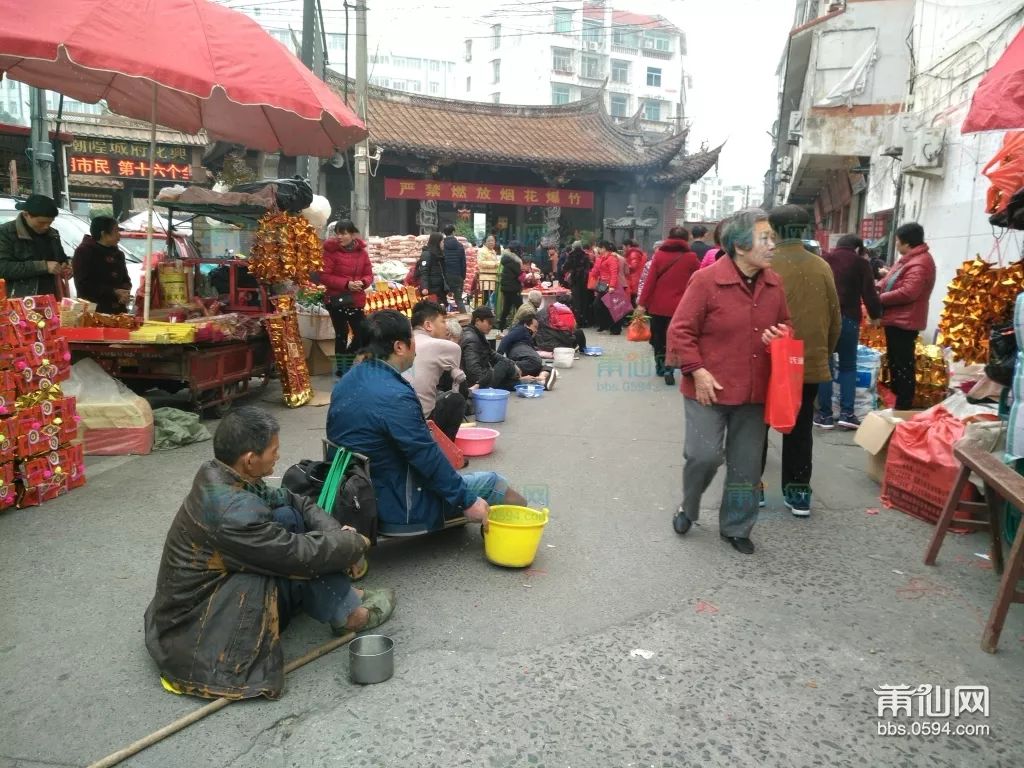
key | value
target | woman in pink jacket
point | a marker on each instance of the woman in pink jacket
(605, 275)
(904, 293)
(346, 275)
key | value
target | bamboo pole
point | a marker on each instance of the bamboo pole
(214, 706)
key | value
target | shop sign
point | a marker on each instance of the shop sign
(411, 189)
(118, 168)
(134, 149)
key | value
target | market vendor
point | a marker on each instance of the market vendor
(375, 412)
(31, 256)
(347, 273)
(101, 275)
(239, 561)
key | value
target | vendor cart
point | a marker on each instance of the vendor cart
(215, 373)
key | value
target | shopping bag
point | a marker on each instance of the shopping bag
(785, 383)
(617, 303)
(639, 329)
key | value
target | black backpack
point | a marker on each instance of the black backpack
(356, 503)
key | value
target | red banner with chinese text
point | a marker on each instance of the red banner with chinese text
(123, 168)
(500, 194)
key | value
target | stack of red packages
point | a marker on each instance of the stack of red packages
(37, 422)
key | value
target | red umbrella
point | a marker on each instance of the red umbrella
(210, 66)
(998, 102)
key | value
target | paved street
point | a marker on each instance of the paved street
(623, 645)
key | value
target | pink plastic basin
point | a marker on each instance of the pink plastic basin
(476, 441)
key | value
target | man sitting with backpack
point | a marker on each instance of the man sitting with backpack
(375, 412)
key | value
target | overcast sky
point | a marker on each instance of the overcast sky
(734, 48)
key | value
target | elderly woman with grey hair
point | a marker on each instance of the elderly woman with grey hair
(534, 300)
(718, 338)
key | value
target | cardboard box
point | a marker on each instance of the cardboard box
(315, 327)
(873, 436)
(319, 356)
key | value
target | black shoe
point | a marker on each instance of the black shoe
(681, 524)
(746, 546)
(659, 371)
(670, 377)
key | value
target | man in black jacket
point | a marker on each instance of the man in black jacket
(100, 272)
(483, 366)
(455, 265)
(31, 256)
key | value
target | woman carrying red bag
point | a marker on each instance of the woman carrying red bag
(718, 338)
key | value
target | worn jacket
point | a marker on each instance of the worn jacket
(213, 627)
(511, 269)
(25, 273)
(454, 258)
(345, 265)
(576, 268)
(434, 358)
(430, 271)
(813, 305)
(718, 326)
(671, 269)
(906, 290)
(635, 260)
(606, 268)
(478, 359)
(854, 283)
(99, 270)
(374, 411)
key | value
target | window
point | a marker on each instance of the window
(559, 94)
(652, 111)
(592, 68)
(335, 42)
(620, 71)
(561, 60)
(414, 63)
(619, 105)
(435, 88)
(563, 21)
(593, 32)
(496, 98)
(495, 36)
(657, 42)
(496, 71)
(654, 77)
(469, 84)
(624, 37)
(415, 86)
(435, 66)
(400, 85)
(469, 50)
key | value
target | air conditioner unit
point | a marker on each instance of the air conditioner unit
(785, 164)
(592, 46)
(925, 154)
(796, 128)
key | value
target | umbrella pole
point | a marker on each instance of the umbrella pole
(148, 263)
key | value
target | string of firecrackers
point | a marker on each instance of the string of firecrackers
(286, 247)
(289, 356)
(977, 297)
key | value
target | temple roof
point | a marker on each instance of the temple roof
(578, 135)
(688, 168)
(111, 126)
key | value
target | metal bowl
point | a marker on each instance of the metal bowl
(371, 659)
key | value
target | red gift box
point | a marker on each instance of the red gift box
(60, 419)
(67, 462)
(8, 491)
(34, 496)
(27, 429)
(8, 441)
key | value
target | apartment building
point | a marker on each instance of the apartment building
(565, 51)
(14, 103)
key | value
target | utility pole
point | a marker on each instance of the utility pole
(361, 193)
(40, 151)
(312, 57)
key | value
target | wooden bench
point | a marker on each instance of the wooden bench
(1001, 485)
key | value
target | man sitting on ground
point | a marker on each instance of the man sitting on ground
(435, 357)
(483, 366)
(239, 561)
(518, 346)
(375, 412)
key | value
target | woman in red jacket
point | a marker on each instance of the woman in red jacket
(718, 338)
(346, 275)
(671, 269)
(904, 293)
(635, 260)
(605, 277)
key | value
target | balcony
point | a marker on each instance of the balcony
(597, 77)
(625, 50)
(654, 53)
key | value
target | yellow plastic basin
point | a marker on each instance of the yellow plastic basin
(513, 535)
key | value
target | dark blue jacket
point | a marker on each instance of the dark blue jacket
(454, 257)
(517, 334)
(374, 411)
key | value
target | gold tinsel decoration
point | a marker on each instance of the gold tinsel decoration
(286, 247)
(289, 356)
(978, 295)
(931, 374)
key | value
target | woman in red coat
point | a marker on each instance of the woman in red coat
(719, 338)
(346, 275)
(671, 269)
(605, 277)
(635, 260)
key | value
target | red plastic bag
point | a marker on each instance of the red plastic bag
(639, 330)
(785, 383)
